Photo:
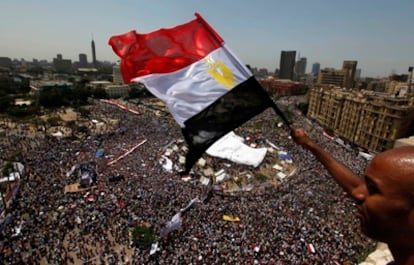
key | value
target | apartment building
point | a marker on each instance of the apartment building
(369, 119)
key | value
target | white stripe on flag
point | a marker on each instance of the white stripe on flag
(191, 89)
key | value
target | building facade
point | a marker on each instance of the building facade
(287, 64)
(331, 77)
(117, 76)
(283, 87)
(350, 69)
(315, 68)
(62, 65)
(371, 120)
(300, 67)
(83, 60)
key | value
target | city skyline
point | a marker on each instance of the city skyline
(376, 35)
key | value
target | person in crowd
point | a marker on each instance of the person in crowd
(384, 195)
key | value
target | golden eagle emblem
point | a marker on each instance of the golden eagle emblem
(221, 73)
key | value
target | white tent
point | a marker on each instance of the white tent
(232, 147)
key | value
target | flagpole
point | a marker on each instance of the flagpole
(281, 114)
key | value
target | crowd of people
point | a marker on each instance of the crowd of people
(307, 219)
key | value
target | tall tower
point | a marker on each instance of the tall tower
(410, 79)
(287, 64)
(93, 53)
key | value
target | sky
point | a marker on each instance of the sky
(379, 34)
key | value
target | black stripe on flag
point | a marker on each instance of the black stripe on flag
(228, 112)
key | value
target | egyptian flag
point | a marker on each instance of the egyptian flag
(207, 89)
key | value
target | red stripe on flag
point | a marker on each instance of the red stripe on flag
(165, 50)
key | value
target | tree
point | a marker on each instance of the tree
(81, 95)
(303, 107)
(5, 103)
(100, 93)
(134, 92)
(143, 236)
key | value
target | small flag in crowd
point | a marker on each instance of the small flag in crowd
(231, 218)
(310, 248)
(255, 248)
(154, 248)
(207, 89)
(172, 225)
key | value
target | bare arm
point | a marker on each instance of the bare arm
(344, 176)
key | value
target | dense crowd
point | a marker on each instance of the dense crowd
(277, 226)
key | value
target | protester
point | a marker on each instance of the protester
(277, 226)
(384, 196)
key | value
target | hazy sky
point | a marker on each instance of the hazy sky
(377, 33)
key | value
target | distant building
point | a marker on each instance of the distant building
(350, 68)
(283, 87)
(87, 73)
(344, 77)
(6, 63)
(54, 84)
(300, 67)
(331, 77)
(397, 85)
(368, 119)
(83, 60)
(113, 91)
(315, 68)
(62, 65)
(117, 76)
(117, 91)
(287, 64)
(358, 74)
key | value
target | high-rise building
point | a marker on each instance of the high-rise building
(83, 60)
(350, 68)
(358, 74)
(93, 53)
(287, 64)
(300, 67)
(315, 68)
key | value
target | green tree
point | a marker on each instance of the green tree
(303, 107)
(134, 92)
(5, 103)
(23, 111)
(143, 236)
(100, 93)
(81, 95)
(7, 169)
